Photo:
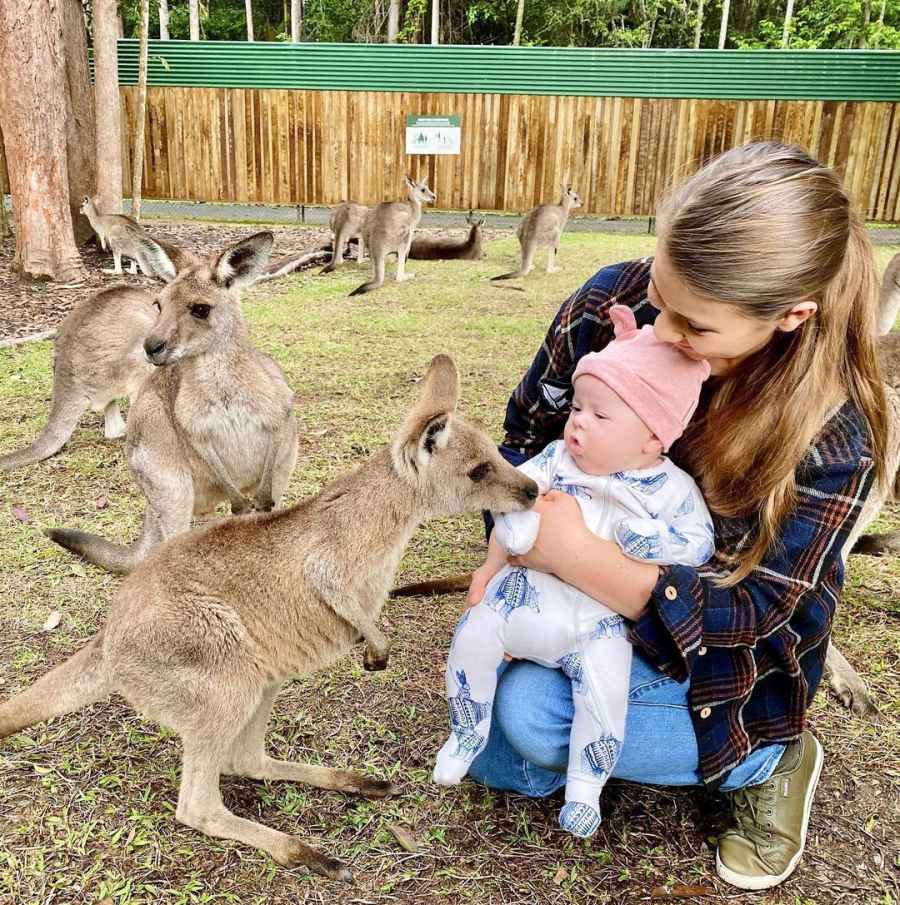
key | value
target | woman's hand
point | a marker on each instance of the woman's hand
(562, 529)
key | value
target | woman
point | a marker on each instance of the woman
(762, 268)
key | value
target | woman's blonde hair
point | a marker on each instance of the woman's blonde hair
(763, 227)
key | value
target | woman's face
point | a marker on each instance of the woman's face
(703, 328)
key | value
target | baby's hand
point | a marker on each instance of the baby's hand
(480, 579)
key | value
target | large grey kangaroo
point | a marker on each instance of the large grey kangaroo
(99, 357)
(204, 633)
(389, 229)
(213, 422)
(542, 226)
(346, 223)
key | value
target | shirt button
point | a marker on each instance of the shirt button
(671, 592)
(705, 713)
(702, 652)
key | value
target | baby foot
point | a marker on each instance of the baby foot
(579, 819)
(449, 770)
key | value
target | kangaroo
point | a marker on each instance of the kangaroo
(205, 632)
(124, 237)
(346, 222)
(543, 225)
(214, 420)
(889, 306)
(441, 248)
(98, 358)
(389, 228)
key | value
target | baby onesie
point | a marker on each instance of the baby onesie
(656, 515)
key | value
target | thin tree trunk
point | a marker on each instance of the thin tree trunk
(248, 10)
(867, 18)
(194, 14)
(520, 14)
(393, 21)
(163, 20)
(81, 133)
(723, 28)
(296, 21)
(108, 109)
(435, 22)
(33, 111)
(699, 27)
(137, 171)
(788, 15)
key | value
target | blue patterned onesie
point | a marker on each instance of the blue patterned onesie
(656, 515)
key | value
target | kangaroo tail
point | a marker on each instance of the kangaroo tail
(367, 287)
(509, 276)
(878, 544)
(79, 681)
(64, 415)
(450, 585)
(117, 558)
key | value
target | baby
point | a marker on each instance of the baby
(631, 401)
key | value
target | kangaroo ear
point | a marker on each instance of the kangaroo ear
(241, 263)
(427, 427)
(410, 181)
(159, 260)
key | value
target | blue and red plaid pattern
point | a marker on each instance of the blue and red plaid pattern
(754, 653)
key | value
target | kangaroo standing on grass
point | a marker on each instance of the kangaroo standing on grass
(213, 422)
(543, 226)
(123, 236)
(443, 248)
(389, 228)
(346, 223)
(203, 635)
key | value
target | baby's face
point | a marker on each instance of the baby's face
(603, 434)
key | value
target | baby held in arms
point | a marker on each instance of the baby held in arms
(631, 401)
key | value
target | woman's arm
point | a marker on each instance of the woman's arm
(578, 557)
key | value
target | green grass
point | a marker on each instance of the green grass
(86, 802)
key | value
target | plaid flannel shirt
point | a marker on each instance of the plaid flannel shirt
(755, 652)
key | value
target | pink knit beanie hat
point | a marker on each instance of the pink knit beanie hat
(655, 379)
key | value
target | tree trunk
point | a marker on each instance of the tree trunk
(108, 108)
(137, 171)
(296, 20)
(81, 135)
(248, 10)
(194, 14)
(698, 30)
(435, 22)
(520, 14)
(393, 21)
(788, 15)
(163, 20)
(33, 113)
(867, 18)
(723, 28)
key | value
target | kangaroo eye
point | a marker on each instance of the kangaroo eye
(480, 472)
(201, 312)
(157, 305)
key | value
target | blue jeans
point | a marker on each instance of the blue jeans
(528, 747)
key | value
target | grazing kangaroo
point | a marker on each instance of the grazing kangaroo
(204, 633)
(213, 422)
(98, 358)
(346, 223)
(389, 228)
(543, 225)
(443, 248)
(125, 238)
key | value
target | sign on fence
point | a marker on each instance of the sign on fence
(432, 134)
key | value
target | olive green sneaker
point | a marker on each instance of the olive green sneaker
(770, 820)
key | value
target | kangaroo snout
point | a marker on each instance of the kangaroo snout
(156, 350)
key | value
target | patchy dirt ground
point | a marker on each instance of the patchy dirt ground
(87, 801)
(29, 308)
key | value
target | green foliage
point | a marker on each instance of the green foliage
(753, 24)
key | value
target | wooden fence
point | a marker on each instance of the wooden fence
(321, 147)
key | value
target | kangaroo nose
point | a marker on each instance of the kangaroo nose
(531, 492)
(153, 346)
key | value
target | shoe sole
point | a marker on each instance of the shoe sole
(767, 881)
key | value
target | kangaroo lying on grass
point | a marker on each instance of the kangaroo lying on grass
(213, 422)
(443, 248)
(543, 225)
(99, 357)
(389, 229)
(204, 633)
(346, 223)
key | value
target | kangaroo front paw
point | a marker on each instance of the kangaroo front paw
(241, 506)
(264, 504)
(374, 662)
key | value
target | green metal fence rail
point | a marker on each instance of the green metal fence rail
(849, 75)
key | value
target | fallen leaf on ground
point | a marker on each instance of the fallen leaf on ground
(561, 875)
(407, 842)
(53, 620)
(20, 514)
(680, 892)
(102, 502)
